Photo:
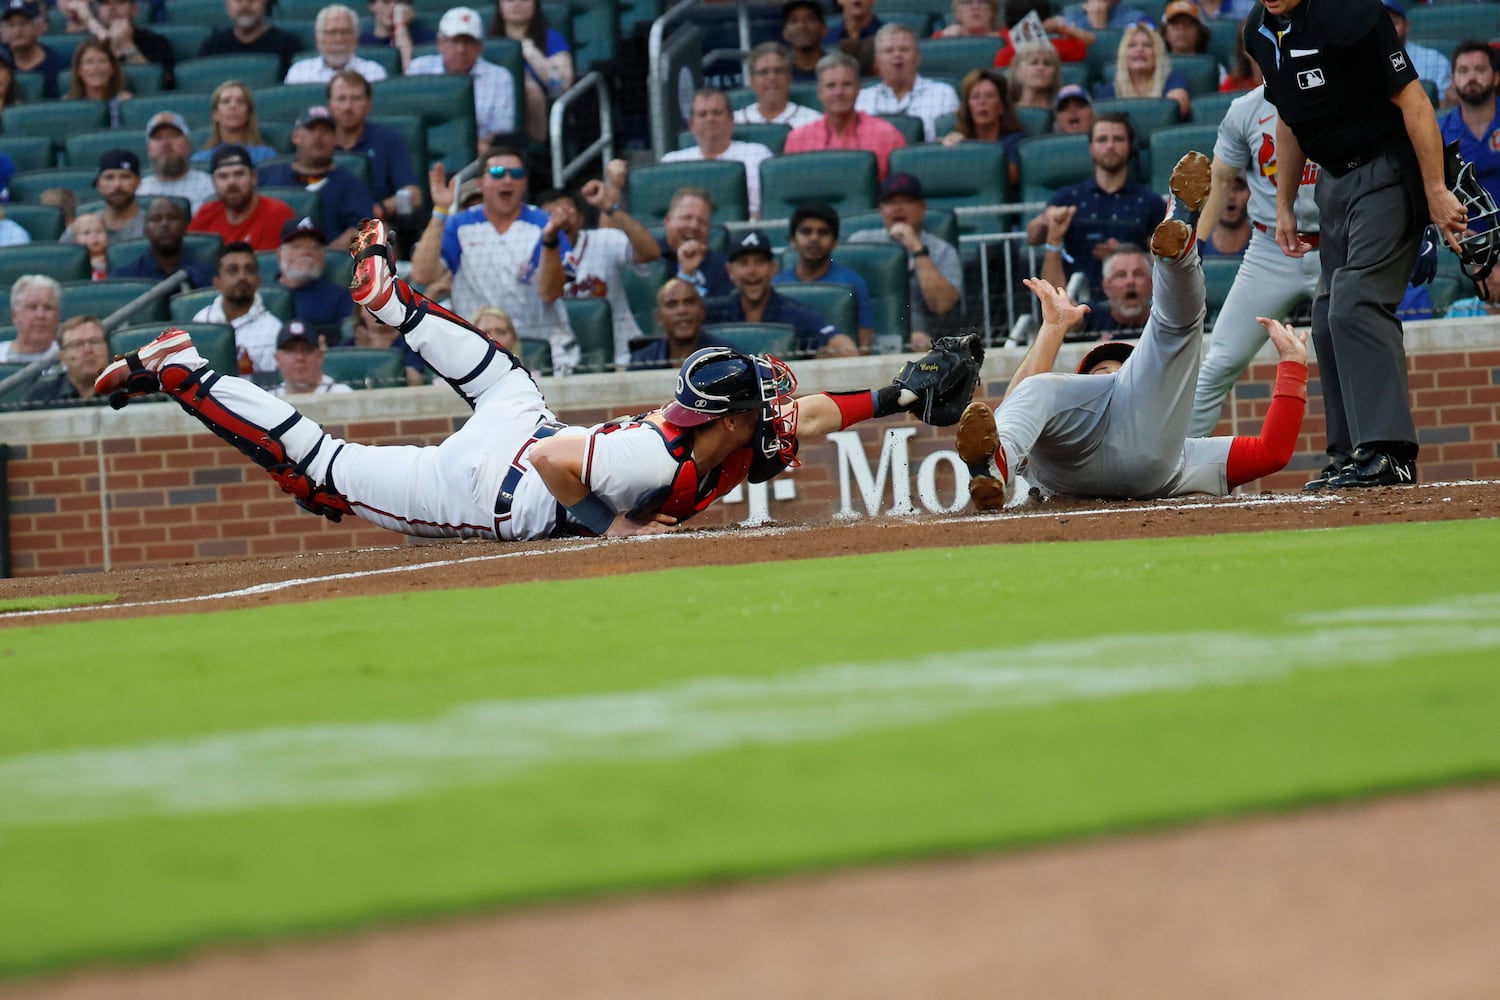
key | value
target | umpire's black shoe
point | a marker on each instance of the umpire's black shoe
(1369, 467)
(1329, 473)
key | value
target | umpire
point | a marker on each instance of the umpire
(1348, 99)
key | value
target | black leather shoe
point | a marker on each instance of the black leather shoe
(1330, 471)
(1374, 468)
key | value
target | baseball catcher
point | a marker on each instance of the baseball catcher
(1117, 429)
(513, 471)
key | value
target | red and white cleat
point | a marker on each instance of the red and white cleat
(980, 448)
(136, 373)
(374, 284)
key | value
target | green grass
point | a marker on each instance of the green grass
(318, 766)
(46, 602)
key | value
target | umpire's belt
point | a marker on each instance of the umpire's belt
(513, 475)
(1311, 239)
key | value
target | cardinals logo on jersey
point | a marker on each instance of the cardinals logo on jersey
(1265, 162)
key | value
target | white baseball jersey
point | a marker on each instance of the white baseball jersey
(1247, 142)
(594, 267)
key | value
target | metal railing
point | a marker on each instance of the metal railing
(602, 147)
(660, 89)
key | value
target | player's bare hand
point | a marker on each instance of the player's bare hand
(623, 527)
(690, 256)
(1057, 308)
(443, 193)
(1448, 215)
(904, 234)
(1290, 344)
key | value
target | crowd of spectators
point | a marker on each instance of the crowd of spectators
(511, 252)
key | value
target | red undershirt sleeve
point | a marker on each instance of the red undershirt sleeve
(1250, 458)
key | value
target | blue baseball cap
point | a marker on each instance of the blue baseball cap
(1395, 8)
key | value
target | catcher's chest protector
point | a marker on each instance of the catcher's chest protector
(691, 490)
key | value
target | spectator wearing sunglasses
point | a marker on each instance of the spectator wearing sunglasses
(498, 253)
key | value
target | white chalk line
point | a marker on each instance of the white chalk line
(492, 742)
(758, 531)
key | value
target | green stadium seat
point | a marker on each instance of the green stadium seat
(302, 201)
(910, 127)
(186, 39)
(641, 285)
(365, 367)
(919, 21)
(940, 222)
(204, 12)
(593, 324)
(192, 105)
(1050, 161)
(102, 298)
(83, 150)
(254, 69)
(387, 56)
(1218, 278)
(834, 302)
(338, 267)
(883, 266)
(1104, 51)
(30, 152)
(62, 261)
(536, 355)
(201, 247)
(594, 32)
(1209, 109)
(215, 341)
(651, 188)
(956, 56)
(143, 79)
(1456, 21)
(43, 222)
(62, 43)
(415, 137)
(1074, 74)
(1036, 121)
(634, 12)
(54, 119)
(845, 179)
(1169, 145)
(435, 99)
(16, 392)
(971, 173)
(1223, 40)
(30, 87)
(1201, 72)
(304, 29)
(779, 339)
(285, 102)
(1148, 114)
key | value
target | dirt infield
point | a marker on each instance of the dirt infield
(1397, 898)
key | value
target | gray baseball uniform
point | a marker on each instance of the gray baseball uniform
(1269, 282)
(1124, 435)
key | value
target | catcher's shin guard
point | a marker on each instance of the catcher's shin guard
(263, 446)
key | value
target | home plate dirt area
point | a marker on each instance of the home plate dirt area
(1394, 898)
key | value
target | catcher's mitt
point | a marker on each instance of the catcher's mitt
(938, 386)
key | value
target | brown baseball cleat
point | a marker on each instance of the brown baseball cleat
(1191, 180)
(979, 447)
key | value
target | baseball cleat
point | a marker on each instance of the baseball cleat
(980, 449)
(136, 373)
(374, 284)
(1189, 186)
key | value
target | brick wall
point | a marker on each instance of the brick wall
(166, 491)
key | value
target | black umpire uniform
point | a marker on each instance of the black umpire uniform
(1331, 68)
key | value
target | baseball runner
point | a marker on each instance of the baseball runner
(1118, 428)
(1269, 282)
(513, 471)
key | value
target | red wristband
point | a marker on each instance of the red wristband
(853, 406)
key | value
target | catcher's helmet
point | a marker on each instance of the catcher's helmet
(716, 381)
(1479, 251)
(1110, 350)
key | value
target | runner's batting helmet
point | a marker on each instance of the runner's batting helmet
(1110, 350)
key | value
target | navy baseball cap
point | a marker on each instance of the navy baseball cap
(118, 159)
(812, 5)
(230, 155)
(25, 7)
(1395, 8)
(315, 115)
(298, 228)
(1072, 92)
(898, 185)
(294, 331)
(752, 241)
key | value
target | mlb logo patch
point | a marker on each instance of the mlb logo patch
(1310, 79)
(1398, 61)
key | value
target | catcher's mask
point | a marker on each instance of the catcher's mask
(718, 381)
(1110, 350)
(1479, 250)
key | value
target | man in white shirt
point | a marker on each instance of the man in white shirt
(460, 43)
(239, 305)
(594, 265)
(299, 358)
(771, 79)
(35, 307)
(337, 33)
(712, 126)
(901, 91)
(169, 147)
